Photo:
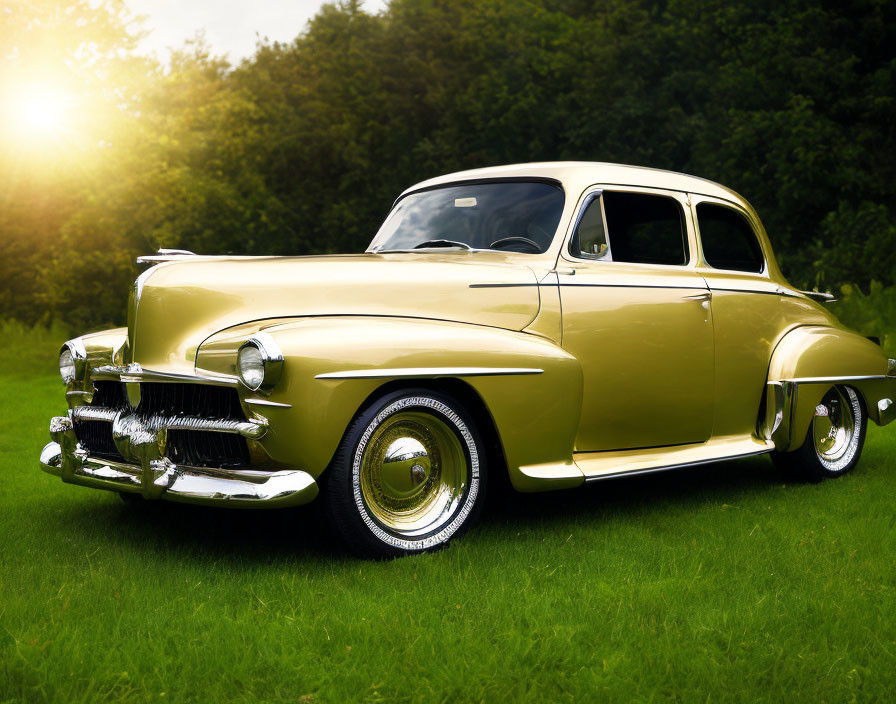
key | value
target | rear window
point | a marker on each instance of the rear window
(728, 239)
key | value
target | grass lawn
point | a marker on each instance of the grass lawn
(718, 583)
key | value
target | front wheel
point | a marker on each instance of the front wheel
(409, 475)
(835, 438)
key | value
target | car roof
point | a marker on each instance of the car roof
(578, 175)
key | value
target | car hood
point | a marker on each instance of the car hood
(176, 305)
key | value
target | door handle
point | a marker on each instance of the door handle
(705, 296)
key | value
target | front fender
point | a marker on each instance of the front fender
(806, 363)
(106, 346)
(530, 386)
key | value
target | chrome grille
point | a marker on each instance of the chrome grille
(109, 394)
(200, 400)
(96, 437)
(195, 448)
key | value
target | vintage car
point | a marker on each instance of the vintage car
(562, 323)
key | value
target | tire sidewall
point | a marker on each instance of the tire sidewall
(359, 529)
(817, 469)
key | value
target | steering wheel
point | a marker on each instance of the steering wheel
(499, 244)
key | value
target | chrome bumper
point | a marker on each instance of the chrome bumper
(886, 407)
(158, 478)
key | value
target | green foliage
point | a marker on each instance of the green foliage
(873, 314)
(302, 148)
(32, 350)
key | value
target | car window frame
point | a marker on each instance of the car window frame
(681, 198)
(607, 256)
(697, 199)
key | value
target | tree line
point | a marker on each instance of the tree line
(302, 148)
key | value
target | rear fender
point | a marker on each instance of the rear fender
(806, 363)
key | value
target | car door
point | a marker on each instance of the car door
(638, 317)
(750, 310)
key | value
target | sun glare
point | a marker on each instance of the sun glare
(37, 111)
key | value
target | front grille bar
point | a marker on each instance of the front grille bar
(253, 429)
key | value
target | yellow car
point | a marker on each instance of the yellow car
(561, 322)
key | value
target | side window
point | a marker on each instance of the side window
(645, 229)
(590, 239)
(728, 240)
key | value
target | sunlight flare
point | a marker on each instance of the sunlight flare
(37, 110)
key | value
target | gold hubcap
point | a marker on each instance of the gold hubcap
(834, 426)
(413, 473)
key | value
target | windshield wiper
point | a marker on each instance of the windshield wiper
(443, 243)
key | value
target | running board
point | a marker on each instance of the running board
(597, 466)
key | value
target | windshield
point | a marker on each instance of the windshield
(518, 216)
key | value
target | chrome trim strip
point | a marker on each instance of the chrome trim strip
(752, 290)
(833, 379)
(680, 465)
(200, 485)
(588, 285)
(134, 372)
(819, 296)
(427, 372)
(786, 294)
(94, 413)
(265, 402)
(253, 429)
(682, 288)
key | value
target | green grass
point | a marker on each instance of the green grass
(721, 583)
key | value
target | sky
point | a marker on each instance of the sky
(230, 25)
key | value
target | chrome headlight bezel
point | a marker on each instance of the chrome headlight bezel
(72, 361)
(271, 358)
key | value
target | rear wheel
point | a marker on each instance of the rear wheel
(835, 438)
(409, 475)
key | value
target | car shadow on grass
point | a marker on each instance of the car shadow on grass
(248, 537)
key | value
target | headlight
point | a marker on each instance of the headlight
(260, 362)
(251, 366)
(66, 365)
(72, 358)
